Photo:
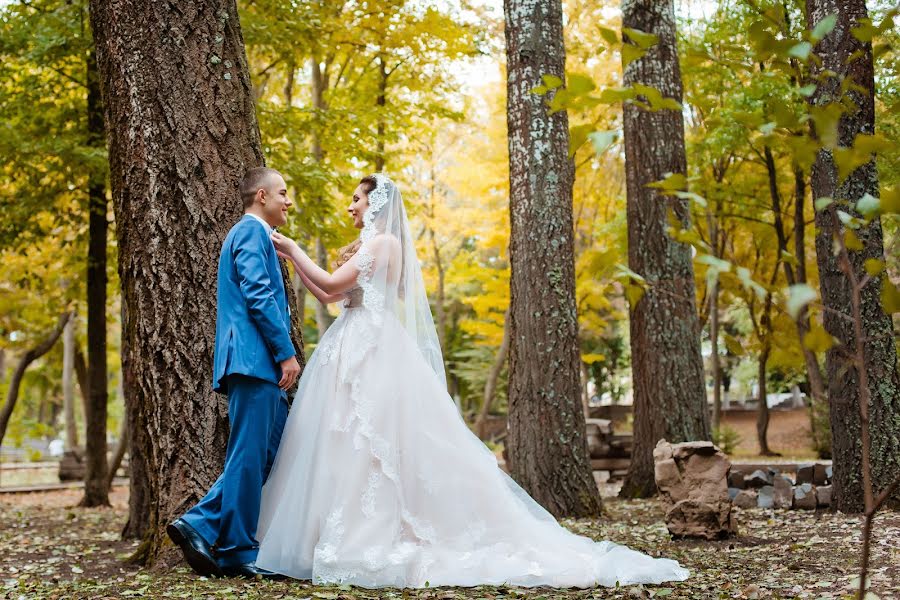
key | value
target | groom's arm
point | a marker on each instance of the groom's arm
(258, 291)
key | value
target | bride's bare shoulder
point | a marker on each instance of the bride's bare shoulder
(385, 242)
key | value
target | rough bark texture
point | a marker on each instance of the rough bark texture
(96, 491)
(880, 351)
(669, 390)
(68, 384)
(547, 443)
(182, 131)
(12, 393)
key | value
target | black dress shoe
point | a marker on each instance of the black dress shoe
(196, 551)
(251, 571)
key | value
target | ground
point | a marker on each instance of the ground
(48, 549)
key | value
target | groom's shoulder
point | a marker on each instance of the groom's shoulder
(245, 229)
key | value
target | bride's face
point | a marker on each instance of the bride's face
(359, 205)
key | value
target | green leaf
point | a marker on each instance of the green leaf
(630, 54)
(670, 182)
(807, 90)
(539, 90)
(580, 84)
(746, 279)
(609, 36)
(714, 262)
(848, 220)
(799, 296)
(868, 205)
(603, 140)
(734, 347)
(801, 50)
(552, 81)
(695, 198)
(823, 203)
(641, 39)
(823, 28)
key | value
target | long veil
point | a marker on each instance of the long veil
(390, 274)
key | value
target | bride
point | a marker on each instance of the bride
(378, 481)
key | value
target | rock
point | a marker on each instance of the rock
(766, 497)
(823, 495)
(736, 480)
(693, 487)
(746, 499)
(820, 475)
(805, 473)
(759, 478)
(72, 466)
(805, 497)
(784, 492)
(732, 492)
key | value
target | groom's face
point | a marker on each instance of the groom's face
(275, 201)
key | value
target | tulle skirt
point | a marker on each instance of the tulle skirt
(379, 482)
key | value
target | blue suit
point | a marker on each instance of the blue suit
(252, 338)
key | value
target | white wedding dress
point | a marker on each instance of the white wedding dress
(379, 482)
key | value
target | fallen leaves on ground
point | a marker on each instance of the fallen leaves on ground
(50, 550)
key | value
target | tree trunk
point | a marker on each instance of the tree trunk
(669, 389)
(880, 352)
(547, 443)
(182, 131)
(762, 415)
(12, 393)
(490, 387)
(96, 492)
(68, 384)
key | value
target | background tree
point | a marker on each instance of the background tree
(546, 442)
(669, 390)
(845, 171)
(182, 131)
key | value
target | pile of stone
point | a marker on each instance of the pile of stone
(771, 488)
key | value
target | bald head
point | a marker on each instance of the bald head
(258, 178)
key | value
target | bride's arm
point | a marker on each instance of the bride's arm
(331, 284)
(314, 289)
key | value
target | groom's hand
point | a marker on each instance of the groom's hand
(290, 370)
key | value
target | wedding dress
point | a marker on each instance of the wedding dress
(379, 482)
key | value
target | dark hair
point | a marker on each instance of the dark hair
(253, 181)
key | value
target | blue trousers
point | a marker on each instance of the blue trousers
(227, 516)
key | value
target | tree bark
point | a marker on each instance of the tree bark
(762, 415)
(669, 389)
(12, 393)
(182, 131)
(68, 384)
(490, 386)
(547, 445)
(96, 492)
(835, 51)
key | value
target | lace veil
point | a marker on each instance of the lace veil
(390, 275)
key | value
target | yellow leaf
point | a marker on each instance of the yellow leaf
(874, 266)
(817, 339)
(733, 346)
(890, 296)
(592, 358)
(634, 293)
(851, 240)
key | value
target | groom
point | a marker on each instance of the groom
(255, 364)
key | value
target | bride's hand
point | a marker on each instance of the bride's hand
(285, 246)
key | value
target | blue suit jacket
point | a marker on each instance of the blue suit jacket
(252, 319)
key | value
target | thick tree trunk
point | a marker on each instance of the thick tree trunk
(880, 352)
(68, 384)
(669, 390)
(490, 387)
(547, 443)
(182, 131)
(12, 393)
(96, 491)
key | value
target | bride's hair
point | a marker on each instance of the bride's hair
(346, 252)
